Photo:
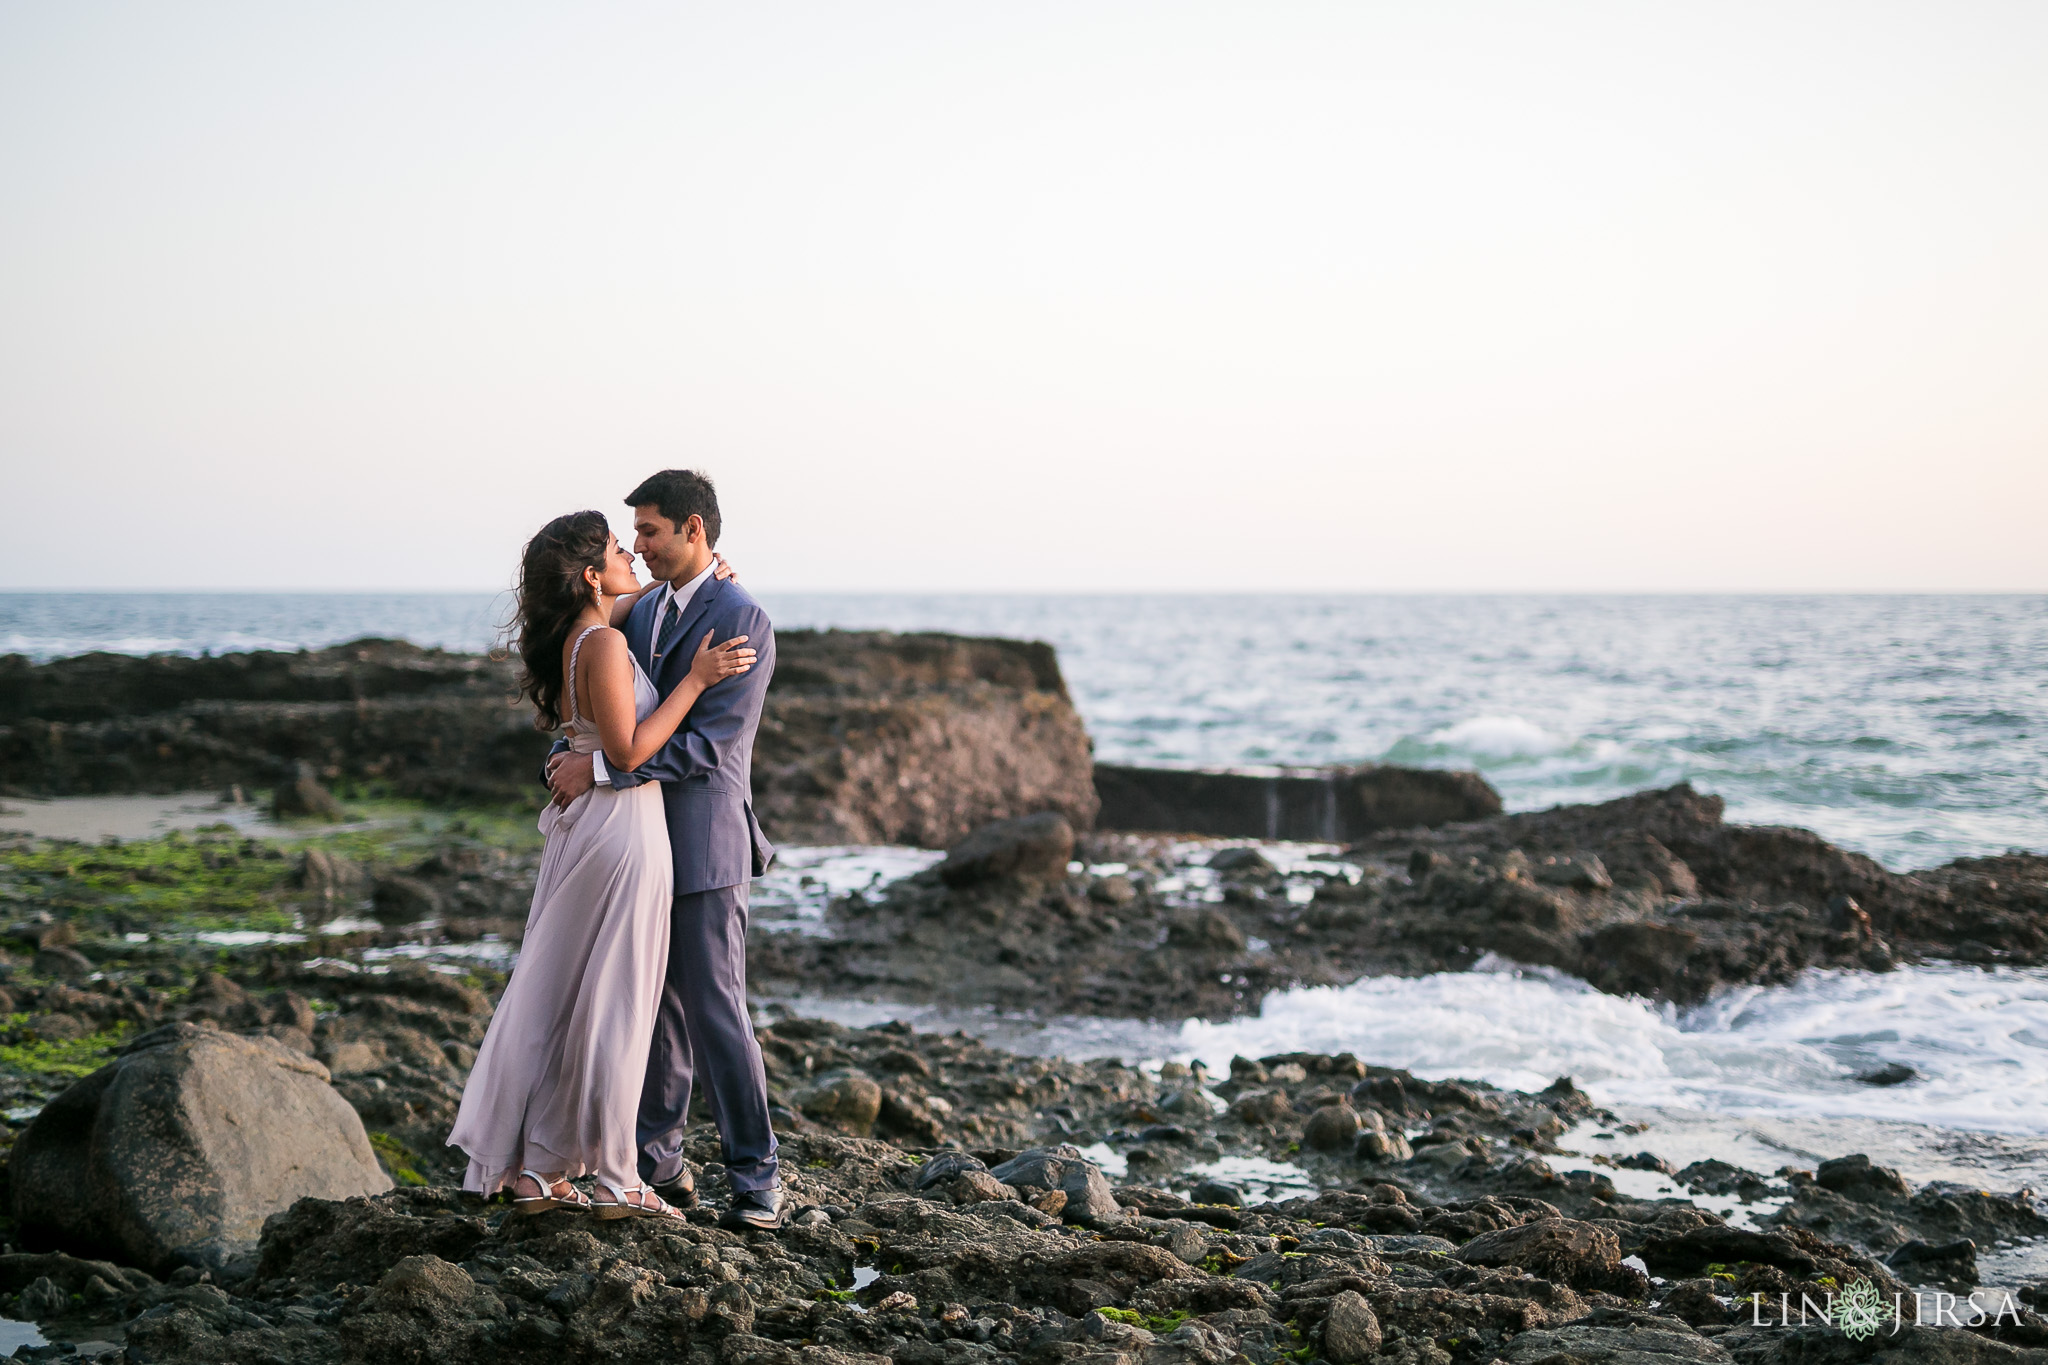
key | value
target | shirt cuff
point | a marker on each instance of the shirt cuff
(597, 769)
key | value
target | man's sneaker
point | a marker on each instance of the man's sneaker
(762, 1209)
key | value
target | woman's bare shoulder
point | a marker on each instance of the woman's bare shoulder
(604, 642)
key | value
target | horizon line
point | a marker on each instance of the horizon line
(52, 591)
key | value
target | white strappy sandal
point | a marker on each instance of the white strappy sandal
(618, 1206)
(547, 1201)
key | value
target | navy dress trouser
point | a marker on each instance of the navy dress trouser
(704, 1030)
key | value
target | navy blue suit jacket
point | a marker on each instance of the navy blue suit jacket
(706, 770)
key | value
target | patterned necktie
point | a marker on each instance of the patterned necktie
(670, 624)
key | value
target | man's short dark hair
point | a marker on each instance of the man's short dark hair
(680, 494)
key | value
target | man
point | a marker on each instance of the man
(706, 775)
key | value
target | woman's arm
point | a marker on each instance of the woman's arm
(622, 607)
(628, 743)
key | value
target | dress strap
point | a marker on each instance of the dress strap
(575, 651)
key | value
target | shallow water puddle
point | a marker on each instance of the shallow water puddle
(14, 1335)
(2011, 1264)
(1259, 1180)
(794, 895)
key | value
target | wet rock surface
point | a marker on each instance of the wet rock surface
(1652, 895)
(961, 1249)
(999, 1207)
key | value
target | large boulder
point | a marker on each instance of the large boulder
(174, 1153)
(866, 736)
(872, 737)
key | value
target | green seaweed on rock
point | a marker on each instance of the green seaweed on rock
(27, 1054)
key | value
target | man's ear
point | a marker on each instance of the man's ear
(693, 528)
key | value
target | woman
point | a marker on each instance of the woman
(557, 1081)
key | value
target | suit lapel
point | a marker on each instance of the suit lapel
(685, 648)
(640, 626)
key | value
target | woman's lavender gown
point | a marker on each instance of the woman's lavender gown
(557, 1081)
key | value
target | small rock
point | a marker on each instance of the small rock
(1243, 862)
(1858, 1178)
(945, 1166)
(424, 1285)
(303, 798)
(898, 1302)
(44, 932)
(1383, 1146)
(42, 1300)
(1696, 1302)
(850, 1103)
(1032, 848)
(405, 900)
(1044, 1167)
(1259, 1107)
(328, 875)
(1187, 1245)
(1331, 1127)
(1845, 916)
(1086, 1195)
(1951, 1263)
(1216, 1192)
(899, 1061)
(1891, 1073)
(978, 1187)
(1052, 1202)
(1337, 1239)
(1581, 1254)
(1351, 1330)
(64, 962)
(1580, 872)
(1112, 890)
(1207, 931)
(1647, 1161)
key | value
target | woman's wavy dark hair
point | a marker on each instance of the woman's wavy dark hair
(551, 594)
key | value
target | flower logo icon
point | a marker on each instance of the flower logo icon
(1860, 1310)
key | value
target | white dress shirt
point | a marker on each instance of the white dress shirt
(669, 593)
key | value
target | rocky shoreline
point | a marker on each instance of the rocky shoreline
(955, 1202)
(946, 1211)
(1651, 895)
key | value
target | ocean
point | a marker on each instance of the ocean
(1910, 728)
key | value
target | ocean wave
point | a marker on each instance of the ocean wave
(1977, 1040)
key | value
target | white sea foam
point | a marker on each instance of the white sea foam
(1978, 1039)
(1497, 738)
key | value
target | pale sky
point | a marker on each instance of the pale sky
(1038, 295)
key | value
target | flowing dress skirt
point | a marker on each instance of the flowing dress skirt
(557, 1082)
